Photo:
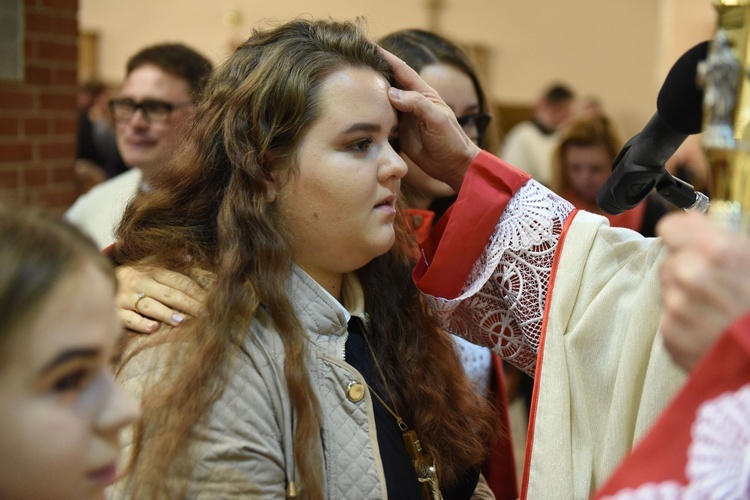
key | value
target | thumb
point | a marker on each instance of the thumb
(401, 101)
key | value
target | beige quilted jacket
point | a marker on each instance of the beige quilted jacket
(246, 449)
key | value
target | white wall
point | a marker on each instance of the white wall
(619, 50)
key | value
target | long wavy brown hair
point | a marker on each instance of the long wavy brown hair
(213, 209)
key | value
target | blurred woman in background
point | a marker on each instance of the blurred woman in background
(60, 410)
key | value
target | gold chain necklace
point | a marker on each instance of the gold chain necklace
(424, 463)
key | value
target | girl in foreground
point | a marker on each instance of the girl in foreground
(316, 368)
(60, 410)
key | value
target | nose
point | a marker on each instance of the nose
(117, 409)
(393, 165)
(138, 119)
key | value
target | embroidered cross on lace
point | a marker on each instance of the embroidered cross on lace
(501, 305)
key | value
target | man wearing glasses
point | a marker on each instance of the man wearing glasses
(155, 102)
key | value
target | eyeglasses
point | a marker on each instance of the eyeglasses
(477, 121)
(154, 110)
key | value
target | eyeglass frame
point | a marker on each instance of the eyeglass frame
(479, 119)
(143, 106)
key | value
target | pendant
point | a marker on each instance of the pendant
(424, 464)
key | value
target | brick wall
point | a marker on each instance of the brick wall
(38, 115)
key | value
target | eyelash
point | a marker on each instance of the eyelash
(72, 381)
(364, 145)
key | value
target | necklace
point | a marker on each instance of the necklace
(424, 463)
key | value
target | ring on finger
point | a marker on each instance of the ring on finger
(141, 296)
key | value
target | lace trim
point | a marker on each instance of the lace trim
(501, 305)
(477, 363)
(718, 464)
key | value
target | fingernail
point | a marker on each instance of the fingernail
(178, 318)
(396, 93)
(152, 326)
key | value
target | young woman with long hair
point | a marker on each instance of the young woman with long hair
(60, 410)
(316, 358)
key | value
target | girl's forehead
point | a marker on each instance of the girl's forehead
(355, 94)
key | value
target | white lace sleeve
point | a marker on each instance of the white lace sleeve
(501, 304)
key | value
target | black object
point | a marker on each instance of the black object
(639, 166)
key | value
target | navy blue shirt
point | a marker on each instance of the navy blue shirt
(400, 476)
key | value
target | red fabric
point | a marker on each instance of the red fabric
(540, 359)
(458, 240)
(662, 454)
(500, 468)
(420, 221)
(631, 219)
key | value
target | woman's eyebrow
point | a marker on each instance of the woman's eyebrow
(363, 127)
(68, 354)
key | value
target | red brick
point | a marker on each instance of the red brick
(65, 76)
(57, 101)
(9, 179)
(70, 5)
(15, 152)
(58, 51)
(35, 176)
(67, 27)
(59, 198)
(11, 99)
(66, 126)
(36, 126)
(63, 174)
(51, 24)
(39, 23)
(9, 126)
(30, 47)
(57, 150)
(37, 75)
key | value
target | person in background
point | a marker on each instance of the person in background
(60, 410)
(529, 144)
(151, 112)
(316, 370)
(97, 157)
(582, 163)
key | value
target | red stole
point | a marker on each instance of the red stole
(698, 447)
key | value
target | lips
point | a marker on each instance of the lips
(105, 475)
(388, 202)
(140, 143)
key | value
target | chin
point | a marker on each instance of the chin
(382, 246)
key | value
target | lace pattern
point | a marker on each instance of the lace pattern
(477, 363)
(501, 305)
(718, 464)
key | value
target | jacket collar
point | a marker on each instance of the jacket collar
(318, 311)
